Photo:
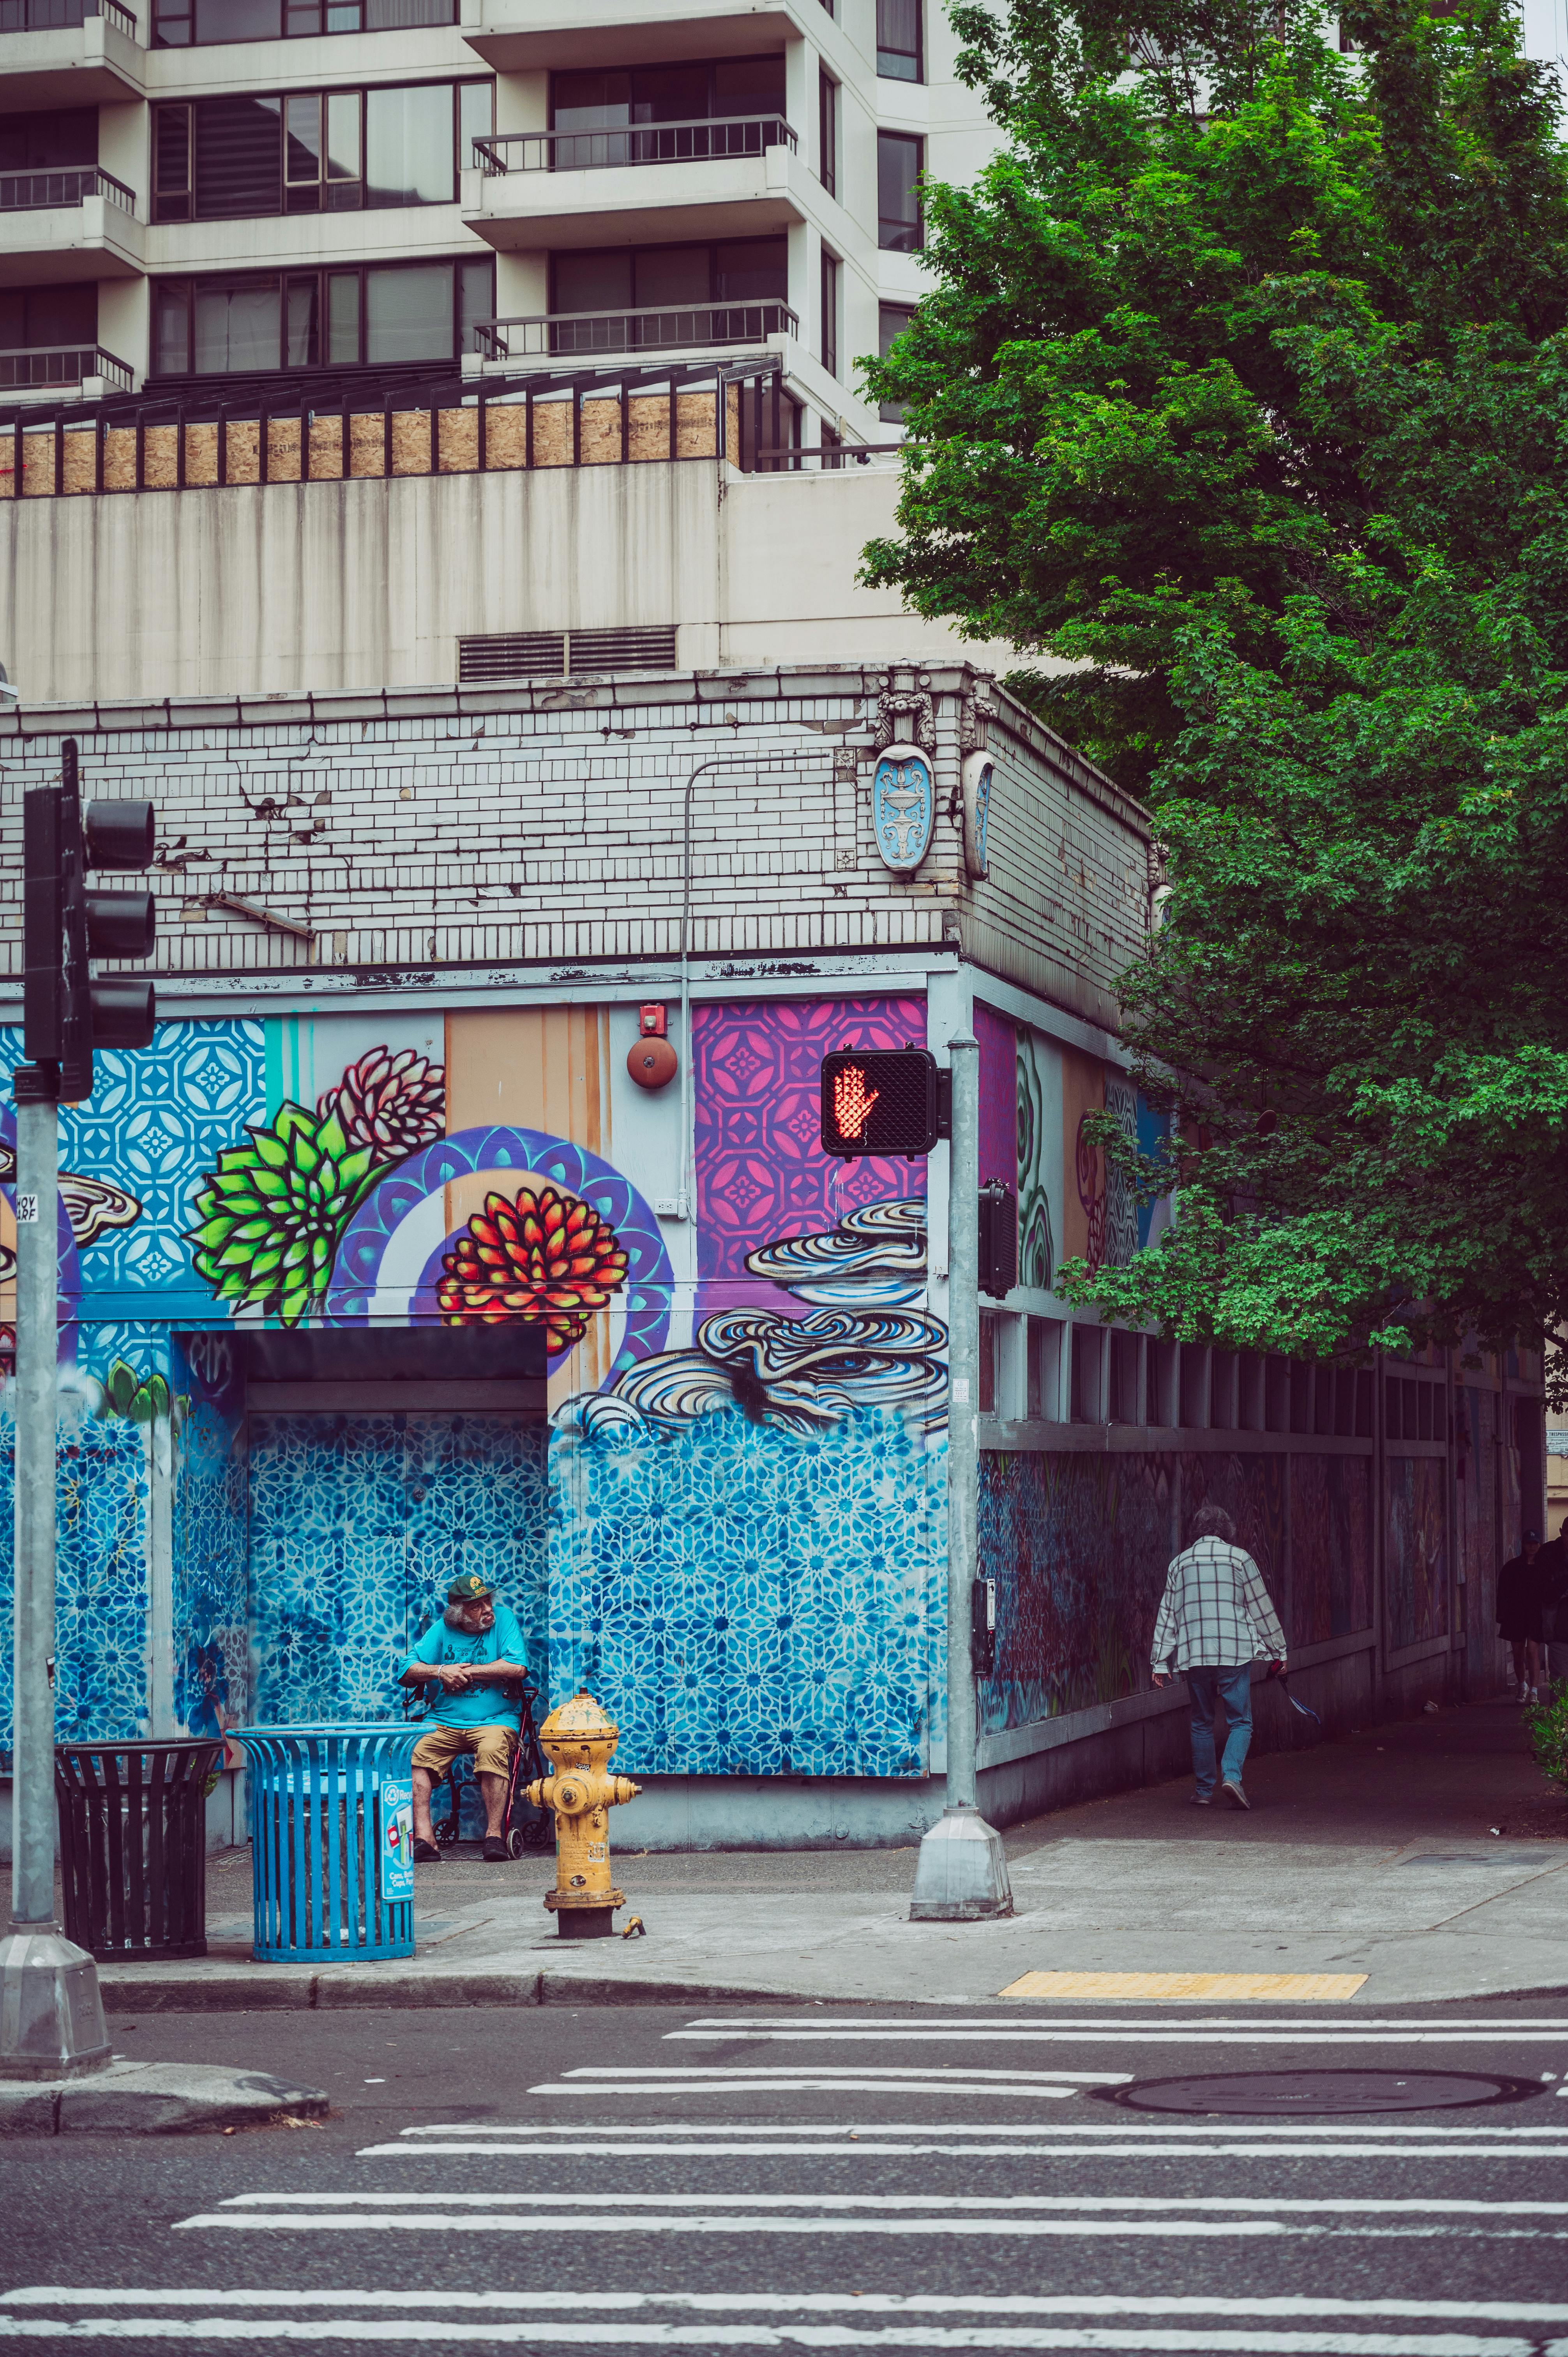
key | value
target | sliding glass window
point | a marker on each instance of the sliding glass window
(314, 151)
(382, 315)
(180, 24)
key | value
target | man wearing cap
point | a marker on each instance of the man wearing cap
(468, 1658)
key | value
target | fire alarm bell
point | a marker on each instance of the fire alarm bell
(651, 1062)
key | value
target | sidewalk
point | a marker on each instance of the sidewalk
(1428, 1855)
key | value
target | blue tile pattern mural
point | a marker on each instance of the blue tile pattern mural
(359, 1523)
(746, 1599)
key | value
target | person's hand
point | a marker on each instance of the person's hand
(453, 1675)
(1161, 1678)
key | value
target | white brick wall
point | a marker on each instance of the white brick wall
(491, 827)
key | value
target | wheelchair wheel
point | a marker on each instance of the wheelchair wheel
(514, 1842)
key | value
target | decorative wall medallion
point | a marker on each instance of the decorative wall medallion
(977, 774)
(903, 807)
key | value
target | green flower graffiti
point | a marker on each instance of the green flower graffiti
(139, 1397)
(269, 1217)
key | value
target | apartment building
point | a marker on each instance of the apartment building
(206, 191)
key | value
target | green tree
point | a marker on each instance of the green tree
(1240, 406)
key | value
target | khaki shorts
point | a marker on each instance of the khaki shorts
(492, 1748)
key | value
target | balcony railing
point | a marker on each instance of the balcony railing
(27, 192)
(60, 16)
(672, 327)
(65, 365)
(637, 143)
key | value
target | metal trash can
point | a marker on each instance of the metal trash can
(332, 1841)
(132, 1844)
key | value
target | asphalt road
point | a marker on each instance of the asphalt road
(820, 2177)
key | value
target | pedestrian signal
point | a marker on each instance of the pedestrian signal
(879, 1101)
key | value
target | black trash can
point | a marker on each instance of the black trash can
(133, 1843)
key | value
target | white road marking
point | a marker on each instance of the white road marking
(625, 2220)
(1301, 2205)
(1187, 2032)
(822, 2083)
(709, 2150)
(384, 2331)
(1109, 2127)
(1274, 2304)
(768, 2074)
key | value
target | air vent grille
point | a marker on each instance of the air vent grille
(561, 654)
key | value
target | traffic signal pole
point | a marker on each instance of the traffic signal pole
(960, 1874)
(37, 1273)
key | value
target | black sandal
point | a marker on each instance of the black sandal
(426, 1853)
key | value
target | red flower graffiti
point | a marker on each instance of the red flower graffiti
(547, 1258)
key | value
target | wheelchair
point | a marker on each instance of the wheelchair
(522, 1826)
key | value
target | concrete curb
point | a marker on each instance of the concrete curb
(332, 1992)
(153, 2099)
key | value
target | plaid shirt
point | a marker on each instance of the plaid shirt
(1215, 1612)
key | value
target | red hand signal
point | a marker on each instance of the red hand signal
(852, 1102)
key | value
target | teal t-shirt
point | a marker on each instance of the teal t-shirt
(482, 1705)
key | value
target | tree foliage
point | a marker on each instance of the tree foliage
(1240, 406)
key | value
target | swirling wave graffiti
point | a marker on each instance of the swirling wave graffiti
(863, 1348)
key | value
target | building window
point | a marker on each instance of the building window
(830, 312)
(898, 165)
(55, 139)
(384, 314)
(899, 57)
(891, 321)
(41, 318)
(649, 277)
(828, 132)
(177, 24)
(314, 151)
(720, 90)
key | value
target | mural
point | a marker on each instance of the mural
(1330, 1546)
(1079, 1547)
(1415, 1553)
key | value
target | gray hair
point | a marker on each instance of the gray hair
(1209, 1521)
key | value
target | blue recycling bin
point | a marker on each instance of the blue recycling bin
(332, 1841)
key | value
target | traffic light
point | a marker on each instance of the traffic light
(880, 1101)
(66, 1014)
(998, 1239)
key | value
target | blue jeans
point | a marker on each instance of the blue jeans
(1231, 1691)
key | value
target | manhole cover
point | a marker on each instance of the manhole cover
(1289, 2095)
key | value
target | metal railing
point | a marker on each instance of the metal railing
(671, 326)
(65, 365)
(62, 16)
(637, 143)
(26, 192)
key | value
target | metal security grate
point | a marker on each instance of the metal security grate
(560, 654)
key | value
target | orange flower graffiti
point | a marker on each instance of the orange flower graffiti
(547, 1258)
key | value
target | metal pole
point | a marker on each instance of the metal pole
(961, 1875)
(963, 1414)
(33, 1796)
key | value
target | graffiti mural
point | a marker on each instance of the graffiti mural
(1415, 1550)
(1079, 1547)
(1330, 1547)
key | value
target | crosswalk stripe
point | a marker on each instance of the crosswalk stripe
(914, 2074)
(1188, 2031)
(797, 2082)
(1273, 2305)
(1296, 2204)
(600, 2149)
(1118, 2128)
(1158, 2341)
(593, 2221)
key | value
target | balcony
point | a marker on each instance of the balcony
(79, 222)
(669, 329)
(634, 186)
(522, 36)
(85, 368)
(68, 53)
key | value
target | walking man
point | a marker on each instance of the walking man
(1215, 1618)
(1519, 1616)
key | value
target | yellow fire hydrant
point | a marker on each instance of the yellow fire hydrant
(579, 1738)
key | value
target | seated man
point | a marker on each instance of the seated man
(469, 1657)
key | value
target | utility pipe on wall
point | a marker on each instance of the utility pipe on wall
(38, 1249)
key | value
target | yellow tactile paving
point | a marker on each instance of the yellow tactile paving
(1326, 1988)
